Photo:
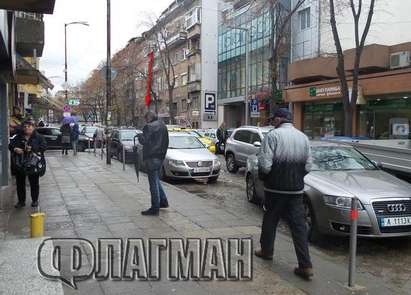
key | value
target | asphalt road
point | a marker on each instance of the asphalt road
(387, 259)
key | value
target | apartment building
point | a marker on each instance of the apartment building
(186, 32)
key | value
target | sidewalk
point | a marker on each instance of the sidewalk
(83, 197)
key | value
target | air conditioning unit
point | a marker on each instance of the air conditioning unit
(400, 60)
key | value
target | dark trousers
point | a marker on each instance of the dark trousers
(156, 189)
(291, 209)
(21, 187)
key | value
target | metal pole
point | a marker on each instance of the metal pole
(123, 156)
(247, 77)
(353, 242)
(108, 80)
(88, 141)
(65, 64)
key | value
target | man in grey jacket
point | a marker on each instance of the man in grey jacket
(283, 161)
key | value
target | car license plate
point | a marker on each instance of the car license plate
(395, 221)
(201, 170)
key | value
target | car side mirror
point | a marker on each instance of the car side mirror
(378, 164)
(257, 144)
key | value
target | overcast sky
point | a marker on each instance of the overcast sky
(87, 45)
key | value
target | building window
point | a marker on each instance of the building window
(304, 16)
(184, 78)
(184, 105)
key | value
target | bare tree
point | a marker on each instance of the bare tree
(158, 38)
(357, 10)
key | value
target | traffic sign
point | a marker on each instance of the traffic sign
(254, 108)
(74, 102)
(210, 102)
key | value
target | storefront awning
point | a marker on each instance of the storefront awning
(37, 6)
(27, 74)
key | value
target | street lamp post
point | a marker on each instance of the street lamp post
(65, 54)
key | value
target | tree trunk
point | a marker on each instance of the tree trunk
(171, 110)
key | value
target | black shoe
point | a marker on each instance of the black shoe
(19, 205)
(150, 212)
(62, 152)
(34, 204)
(164, 204)
(66, 153)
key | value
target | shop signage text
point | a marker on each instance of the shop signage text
(325, 91)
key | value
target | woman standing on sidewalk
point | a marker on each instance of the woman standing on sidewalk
(29, 141)
(65, 138)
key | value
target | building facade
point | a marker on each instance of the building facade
(244, 28)
(384, 102)
(186, 32)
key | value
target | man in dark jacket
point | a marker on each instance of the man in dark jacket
(284, 160)
(155, 144)
(222, 137)
(23, 143)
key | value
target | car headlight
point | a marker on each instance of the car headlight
(128, 148)
(340, 202)
(177, 163)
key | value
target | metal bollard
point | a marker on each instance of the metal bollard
(37, 225)
(88, 141)
(353, 242)
(124, 158)
(108, 150)
(102, 149)
(95, 147)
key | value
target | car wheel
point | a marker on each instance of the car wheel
(231, 164)
(213, 179)
(314, 234)
(250, 189)
(81, 148)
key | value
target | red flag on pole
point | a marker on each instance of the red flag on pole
(149, 78)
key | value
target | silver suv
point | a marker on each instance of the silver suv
(243, 142)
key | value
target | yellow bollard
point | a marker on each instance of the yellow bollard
(37, 224)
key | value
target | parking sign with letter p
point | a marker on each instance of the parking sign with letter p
(210, 102)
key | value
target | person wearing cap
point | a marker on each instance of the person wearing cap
(283, 161)
(25, 142)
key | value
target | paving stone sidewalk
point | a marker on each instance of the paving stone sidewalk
(83, 197)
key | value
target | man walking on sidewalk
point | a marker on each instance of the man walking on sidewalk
(284, 160)
(155, 144)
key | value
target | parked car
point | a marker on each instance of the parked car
(52, 135)
(208, 142)
(243, 142)
(123, 138)
(187, 158)
(340, 172)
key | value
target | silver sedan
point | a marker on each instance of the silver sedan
(339, 173)
(188, 158)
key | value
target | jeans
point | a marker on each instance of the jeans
(74, 144)
(291, 209)
(156, 189)
(21, 187)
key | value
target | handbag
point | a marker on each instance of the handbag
(34, 164)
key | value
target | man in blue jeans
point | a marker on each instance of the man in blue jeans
(155, 144)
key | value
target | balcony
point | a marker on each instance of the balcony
(194, 32)
(177, 39)
(29, 34)
(313, 69)
(194, 86)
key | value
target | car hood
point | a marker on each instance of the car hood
(190, 155)
(127, 143)
(366, 185)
